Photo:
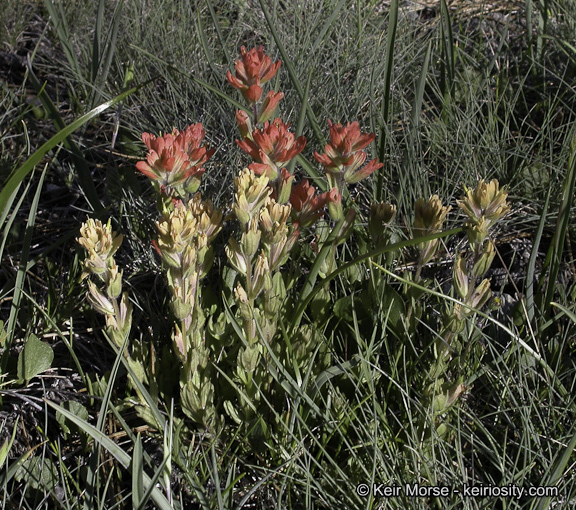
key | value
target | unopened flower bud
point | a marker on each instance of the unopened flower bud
(99, 302)
(124, 313)
(269, 105)
(179, 342)
(285, 180)
(429, 219)
(477, 232)
(460, 278)
(381, 215)
(335, 206)
(114, 287)
(347, 227)
(480, 296)
(430, 216)
(244, 124)
(261, 279)
(251, 240)
(240, 294)
(485, 260)
(237, 259)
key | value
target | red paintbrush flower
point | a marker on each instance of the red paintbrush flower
(344, 154)
(252, 70)
(271, 148)
(307, 207)
(174, 161)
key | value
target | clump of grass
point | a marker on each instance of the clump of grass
(448, 107)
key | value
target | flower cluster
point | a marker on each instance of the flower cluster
(251, 194)
(253, 69)
(270, 143)
(101, 243)
(429, 219)
(272, 148)
(307, 206)
(265, 263)
(345, 154)
(484, 206)
(184, 243)
(174, 161)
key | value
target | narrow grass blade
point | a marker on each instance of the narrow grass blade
(8, 206)
(387, 96)
(195, 79)
(321, 38)
(84, 175)
(104, 49)
(320, 139)
(218, 92)
(419, 96)
(531, 268)
(143, 393)
(137, 466)
(324, 377)
(20, 174)
(311, 170)
(13, 216)
(95, 64)
(203, 39)
(448, 64)
(7, 444)
(557, 471)
(93, 472)
(120, 455)
(569, 314)
(58, 17)
(152, 487)
(410, 151)
(216, 477)
(17, 295)
(529, 13)
(219, 34)
(554, 256)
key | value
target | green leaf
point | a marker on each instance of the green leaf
(39, 473)
(35, 358)
(74, 407)
(343, 308)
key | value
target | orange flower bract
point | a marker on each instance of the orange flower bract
(307, 206)
(272, 147)
(175, 160)
(344, 155)
(252, 70)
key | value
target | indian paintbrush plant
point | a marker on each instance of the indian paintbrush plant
(238, 355)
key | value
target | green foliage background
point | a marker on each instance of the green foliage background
(454, 94)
